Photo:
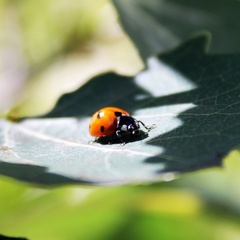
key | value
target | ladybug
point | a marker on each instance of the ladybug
(110, 121)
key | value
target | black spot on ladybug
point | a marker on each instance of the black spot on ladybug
(118, 114)
(102, 129)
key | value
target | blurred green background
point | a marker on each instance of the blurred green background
(51, 47)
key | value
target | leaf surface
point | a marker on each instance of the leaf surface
(193, 98)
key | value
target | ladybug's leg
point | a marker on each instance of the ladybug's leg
(148, 128)
(94, 141)
(120, 137)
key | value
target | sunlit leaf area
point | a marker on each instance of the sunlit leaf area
(173, 65)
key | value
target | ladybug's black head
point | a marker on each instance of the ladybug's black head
(133, 127)
(128, 124)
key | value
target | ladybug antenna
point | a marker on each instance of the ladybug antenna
(148, 128)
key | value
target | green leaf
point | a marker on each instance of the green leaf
(193, 98)
(160, 25)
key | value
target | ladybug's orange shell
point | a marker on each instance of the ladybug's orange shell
(104, 121)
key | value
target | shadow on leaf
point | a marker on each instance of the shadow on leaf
(210, 129)
(35, 174)
(127, 137)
